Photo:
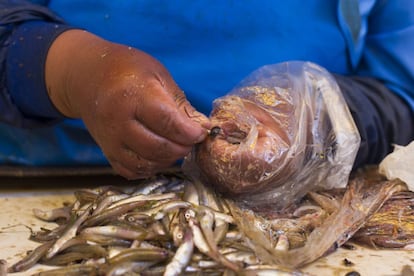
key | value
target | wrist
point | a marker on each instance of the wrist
(70, 68)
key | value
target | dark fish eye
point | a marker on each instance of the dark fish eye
(215, 131)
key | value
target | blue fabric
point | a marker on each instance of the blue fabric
(12, 14)
(208, 46)
(388, 51)
(65, 144)
(23, 79)
(27, 136)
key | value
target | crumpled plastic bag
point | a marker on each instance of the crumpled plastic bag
(399, 164)
(283, 131)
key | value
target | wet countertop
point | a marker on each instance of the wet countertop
(19, 195)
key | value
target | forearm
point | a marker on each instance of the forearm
(382, 117)
(71, 73)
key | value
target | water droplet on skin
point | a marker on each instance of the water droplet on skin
(106, 51)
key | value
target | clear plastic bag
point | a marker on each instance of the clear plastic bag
(283, 131)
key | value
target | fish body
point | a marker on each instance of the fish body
(216, 236)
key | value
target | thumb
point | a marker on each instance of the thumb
(187, 110)
(196, 116)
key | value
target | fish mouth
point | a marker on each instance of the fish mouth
(231, 122)
(234, 119)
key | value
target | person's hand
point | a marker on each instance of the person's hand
(128, 101)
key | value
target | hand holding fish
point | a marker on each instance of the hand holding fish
(127, 99)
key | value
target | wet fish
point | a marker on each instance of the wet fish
(31, 259)
(360, 201)
(183, 227)
(392, 226)
(182, 256)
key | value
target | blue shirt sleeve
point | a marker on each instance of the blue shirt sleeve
(387, 53)
(26, 33)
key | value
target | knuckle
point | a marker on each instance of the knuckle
(167, 121)
(180, 98)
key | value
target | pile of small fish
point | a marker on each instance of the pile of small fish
(167, 225)
(171, 225)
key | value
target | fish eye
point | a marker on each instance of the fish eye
(215, 131)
